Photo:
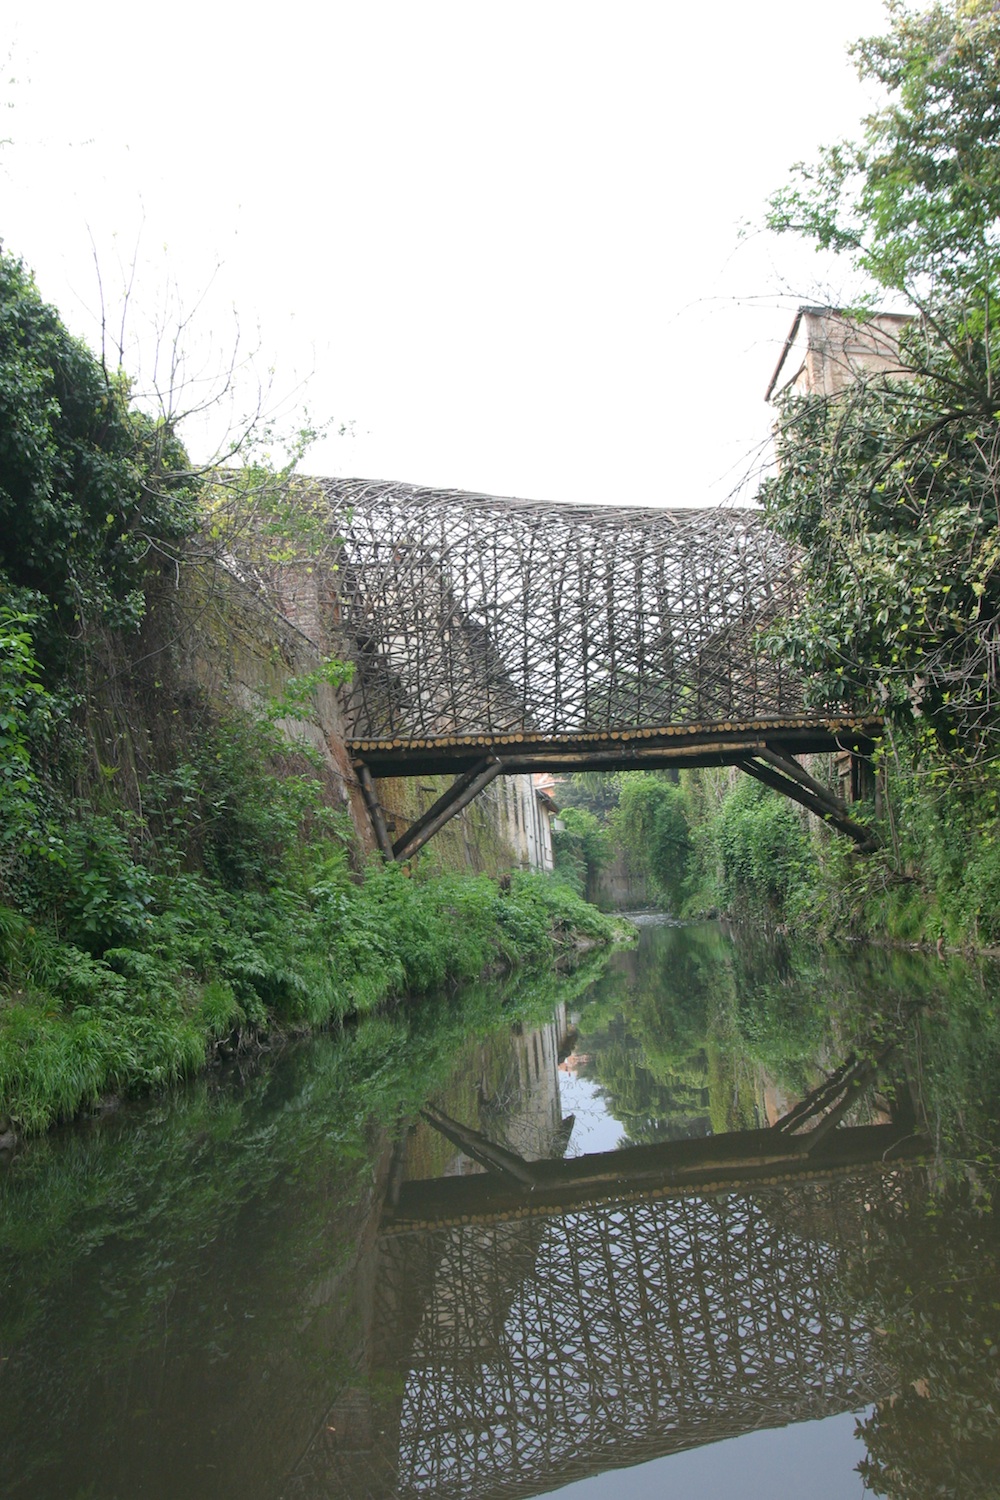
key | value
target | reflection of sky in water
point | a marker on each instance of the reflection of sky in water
(810, 1461)
(594, 1129)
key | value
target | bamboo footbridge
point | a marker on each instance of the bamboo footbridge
(495, 636)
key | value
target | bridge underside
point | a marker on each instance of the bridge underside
(722, 744)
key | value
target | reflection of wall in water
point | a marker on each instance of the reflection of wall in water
(509, 1091)
(529, 1119)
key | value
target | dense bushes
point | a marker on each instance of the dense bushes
(211, 965)
(765, 858)
(651, 826)
(90, 488)
(715, 840)
(581, 849)
(229, 909)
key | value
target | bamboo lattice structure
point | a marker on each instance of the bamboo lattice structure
(477, 615)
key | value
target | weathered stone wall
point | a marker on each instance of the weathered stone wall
(235, 645)
(617, 888)
(240, 638)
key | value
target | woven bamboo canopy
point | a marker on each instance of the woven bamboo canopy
(482, 621)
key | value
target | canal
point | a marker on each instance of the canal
(390, 1262)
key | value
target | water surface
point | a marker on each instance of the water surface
(214, 1293)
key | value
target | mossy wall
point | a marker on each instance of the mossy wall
(240, 639)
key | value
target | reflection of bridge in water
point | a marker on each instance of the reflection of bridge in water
(549, 1350)
(531, 1345)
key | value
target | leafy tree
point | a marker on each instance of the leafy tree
(916, 203)
(580, 847)
(890, 487)
(597, 791)
(90, 489)
(651, 825)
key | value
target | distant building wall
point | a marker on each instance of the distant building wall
(826, 350)
(526, 820)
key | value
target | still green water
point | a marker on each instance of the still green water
(203, 1295)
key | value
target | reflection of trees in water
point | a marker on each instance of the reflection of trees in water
(738, 1012)
(535, 1351)
(653, 1105)
(203, 1258)
(164, 1260)
(645, 1028)
(935, 1293)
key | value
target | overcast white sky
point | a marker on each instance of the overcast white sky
(501, 241)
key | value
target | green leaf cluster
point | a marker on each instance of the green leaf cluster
(90, 488)
(889, 487)
(652, 827)
(581, 848)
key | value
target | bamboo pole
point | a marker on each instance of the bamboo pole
(456, 789)
(455, 805)
(375, 811)
(863, 837)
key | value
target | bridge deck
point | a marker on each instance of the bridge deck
(642, 749)
(715, 1164)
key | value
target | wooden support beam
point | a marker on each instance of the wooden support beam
(803, 792)
(815, 1102)
(789, 766)
(489, 1154)
(374, 809)
(454, 800)
(634, 752)
(456, 789)
(857, 1084)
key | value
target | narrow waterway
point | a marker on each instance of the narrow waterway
(389, 1263)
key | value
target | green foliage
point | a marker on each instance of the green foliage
(298, 699)
(765, 853)
(219, 902)
(87, 485)
(595, 791)
(272, 515)
(916, 202)
(651, 825)
(889, 487)
(230, 911)
(889, 494)
(25, 708)
(226, 808)
(581, 848)
(936, 880)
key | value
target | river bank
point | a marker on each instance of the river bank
(218, 970)
(713, 840)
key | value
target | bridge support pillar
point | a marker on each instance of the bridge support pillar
(374, 810)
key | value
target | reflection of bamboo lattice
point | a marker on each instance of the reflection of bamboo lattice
(536, 1352)
(483, 615)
